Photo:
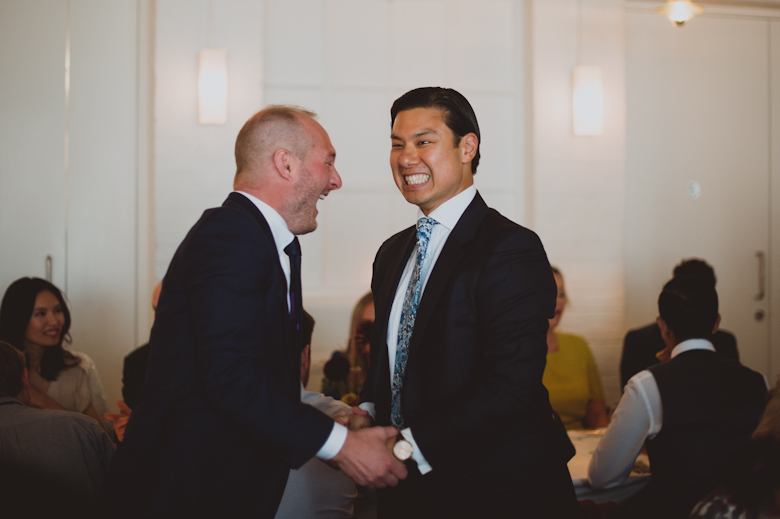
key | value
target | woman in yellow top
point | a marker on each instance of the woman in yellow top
(571, 376)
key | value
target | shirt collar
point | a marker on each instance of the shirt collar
(692, 344)
(449, 212)
(10, 400)
(281, 233)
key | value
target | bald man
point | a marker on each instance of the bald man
(219, 421)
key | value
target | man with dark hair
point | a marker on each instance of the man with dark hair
(642, 345)
(52, 463)
(695, 411)
(458, 345)
(219, 421)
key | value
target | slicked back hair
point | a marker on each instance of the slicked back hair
(273, 127)
(689, 306)
(459, 116)
(12, 364)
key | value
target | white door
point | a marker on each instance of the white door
(699, 166)
(69, 161)
(32, 139)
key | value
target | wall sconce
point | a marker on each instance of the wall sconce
(212, 86)
(588, 101)
(679, 11)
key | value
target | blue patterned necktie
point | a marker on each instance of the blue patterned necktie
(408, 315)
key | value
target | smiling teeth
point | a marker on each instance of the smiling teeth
(322, 197)
(416, 179)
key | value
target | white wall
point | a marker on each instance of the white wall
(578, 196)
(347, 60)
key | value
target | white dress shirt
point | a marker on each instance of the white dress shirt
(447, 216)
(639, 416)
(282, 238)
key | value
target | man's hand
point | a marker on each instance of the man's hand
(365, 458)
(354, 418)
(120, 419)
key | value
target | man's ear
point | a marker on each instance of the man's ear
(468, 147)
(285, 163)
(717, 324)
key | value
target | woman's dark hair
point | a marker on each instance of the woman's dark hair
(15, 314)
(459, 116)
(11, 369)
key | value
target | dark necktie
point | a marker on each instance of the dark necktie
(293, 250)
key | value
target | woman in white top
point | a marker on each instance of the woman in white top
(35, 319)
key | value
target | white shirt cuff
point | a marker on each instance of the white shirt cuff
(369, 408)
(422, 464)
(334, 442)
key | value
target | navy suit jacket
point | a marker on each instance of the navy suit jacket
(472, 391)
(219, 420)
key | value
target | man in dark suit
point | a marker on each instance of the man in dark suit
(641, 346)
(219, 421)
(458, 348)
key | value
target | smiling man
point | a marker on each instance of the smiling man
(219, 421)
(458, 351)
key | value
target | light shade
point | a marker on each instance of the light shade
(212, 86)
(679, 11)
(588, 102)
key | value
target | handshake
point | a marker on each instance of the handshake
(367, 454)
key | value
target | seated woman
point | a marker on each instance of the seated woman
(571, 376)
(35, 319)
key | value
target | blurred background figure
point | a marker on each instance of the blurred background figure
(317, 491)
(571, 376)
(752, 490)
(35, 319)
(641, 346)
(345, 373)
(52, 463)
(359, 346)
(133, 376)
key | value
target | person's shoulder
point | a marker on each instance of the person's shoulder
(85, 362)
(57, 418)
(139, 354)
(398, 239)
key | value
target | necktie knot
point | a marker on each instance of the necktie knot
(294, 248)
(424, 228)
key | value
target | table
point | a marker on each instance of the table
(585, 443)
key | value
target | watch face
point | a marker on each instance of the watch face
(403, 450)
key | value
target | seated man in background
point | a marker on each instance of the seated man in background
(133, 376)
(52, 463)
(696, 410)
(641, 346)
(316, 490)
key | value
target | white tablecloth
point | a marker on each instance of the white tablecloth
(585, 443)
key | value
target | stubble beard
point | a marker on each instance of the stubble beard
(301, 210)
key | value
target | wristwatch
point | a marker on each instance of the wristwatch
(402, 448)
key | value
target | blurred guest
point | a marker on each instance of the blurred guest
(752, 490)
(359, 346)
(316, 491)
(335, 374)
(571, 376)
(641, 346)
(134, 369)
(35, 319)
(694, 411)
(133, 376)
(52, 463)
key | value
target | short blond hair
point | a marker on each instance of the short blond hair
(273, 127)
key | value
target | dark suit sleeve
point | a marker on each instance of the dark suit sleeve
(238, 310)
(513, 298)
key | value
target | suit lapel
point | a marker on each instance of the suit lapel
(237, 199)
(452, 253)
(396, 263)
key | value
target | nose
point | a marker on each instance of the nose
(335, 180)
(408, 156)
